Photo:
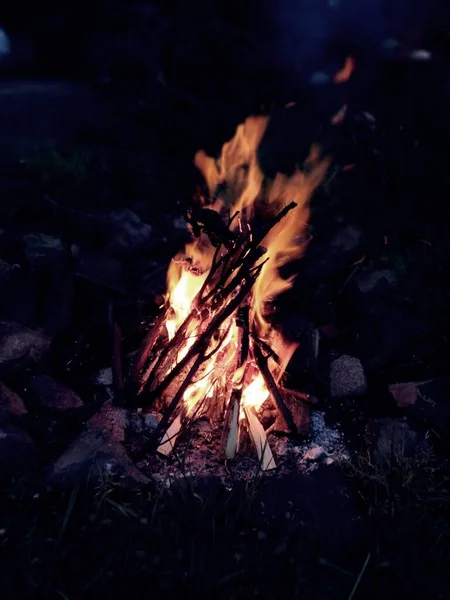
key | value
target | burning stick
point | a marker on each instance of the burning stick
(274, 392)
(230, 436)
(259, 439)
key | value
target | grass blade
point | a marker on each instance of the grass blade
(358, 580)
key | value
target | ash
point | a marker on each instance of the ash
(197, 456)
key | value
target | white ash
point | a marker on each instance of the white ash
(103, 377)
(198, 456)
(327, 445)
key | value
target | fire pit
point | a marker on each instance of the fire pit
(213, 352)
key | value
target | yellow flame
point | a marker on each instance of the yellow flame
(235, 181)
(255, 393)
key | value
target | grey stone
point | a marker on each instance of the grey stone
(7, 272)
(427, 401)
(5, 44)
(105, 270)
(151, 422)
(394, 440)
(104, 377)
(17, 451)
(54, 394)
(20, 346)
(370, 281)
(40, 247)
(346, 239)
(128, 231)
(405, 394)
(110, 420)
(347, 377)
(94, 455)
(11, 404)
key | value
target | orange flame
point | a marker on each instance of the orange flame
(236, 182)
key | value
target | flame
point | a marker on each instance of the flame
(256, 393)
(183, 287)
(346, 72)
(237, 168)
(236, 182)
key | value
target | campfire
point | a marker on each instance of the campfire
(214, 352)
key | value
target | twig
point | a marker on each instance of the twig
(149, 342)
(358, 580)
(214, 324)
(177, 398)
(274, 392)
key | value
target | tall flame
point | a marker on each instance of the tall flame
(236, 182)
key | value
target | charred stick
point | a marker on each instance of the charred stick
(272, 387)
(259, 439)
(265, 346)
(177, 398)
(148, 344)
(204, 338)
(302, 396)
(170, 436)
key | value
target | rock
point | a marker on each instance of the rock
(394, 439)
(40, 247)
(377, 281)
(104, 377)
(7, 273)
(5, 44)
(347, 377)
(54, 394)
(94, 454)
(151, 422)
(110, 420)
(405, 394)
(17, 451)
(426, 401)
(102, 269)
(21, 347)
(346, 240)
(127, 232)
(11, 405)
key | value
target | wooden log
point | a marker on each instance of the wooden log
(259, 440)
(170, 437)
(272, 387)
(230, 439)
(301, 414)
(230, 435)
